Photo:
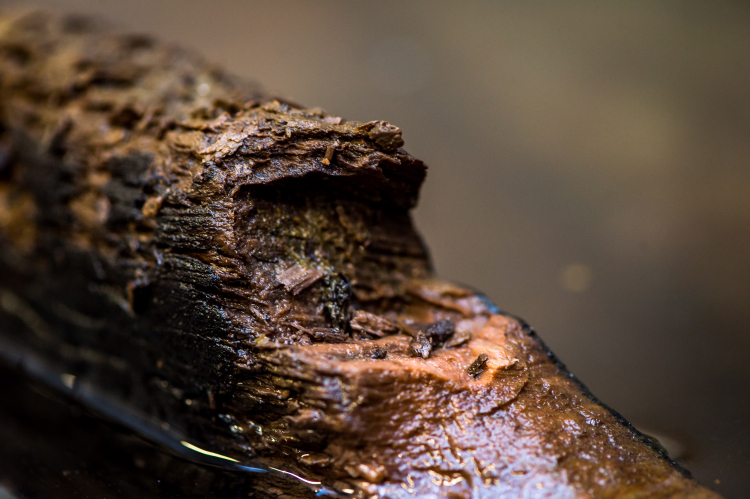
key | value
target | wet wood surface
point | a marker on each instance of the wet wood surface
(245, 270)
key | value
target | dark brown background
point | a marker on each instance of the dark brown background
(589, 170)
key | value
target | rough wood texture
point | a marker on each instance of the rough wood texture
(246, 270)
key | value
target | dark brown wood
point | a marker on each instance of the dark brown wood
(245, 271)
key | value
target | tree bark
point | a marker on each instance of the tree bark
(245, 271)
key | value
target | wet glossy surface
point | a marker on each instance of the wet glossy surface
(52, 448)
(51, 443)
(56, 444)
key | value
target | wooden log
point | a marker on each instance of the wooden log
(245, 271)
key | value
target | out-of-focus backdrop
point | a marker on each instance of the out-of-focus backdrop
(589, 170)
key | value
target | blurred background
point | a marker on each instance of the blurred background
(589, 171)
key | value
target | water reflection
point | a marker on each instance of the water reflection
(54, 447)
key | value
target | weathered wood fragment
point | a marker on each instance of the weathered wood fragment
(246, 271)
